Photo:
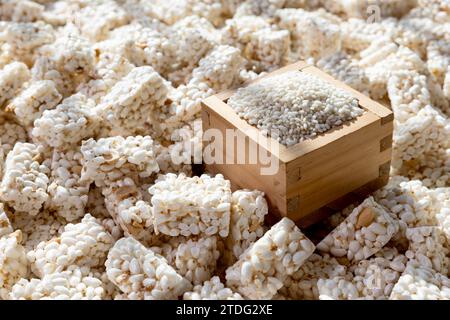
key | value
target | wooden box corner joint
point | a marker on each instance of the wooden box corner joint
(351, 159)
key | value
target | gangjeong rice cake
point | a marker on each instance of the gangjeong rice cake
(262, 268)
(100, 119)
(421, 283)
(364, 232)
(191, 206)
(212, 290)
(248, 210)
(25, 178)
(137, 270)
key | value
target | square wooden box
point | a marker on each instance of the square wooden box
(315, 176)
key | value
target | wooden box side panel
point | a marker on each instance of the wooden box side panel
(346, 148)
(338, 168)
(246, 175)
(356, 196)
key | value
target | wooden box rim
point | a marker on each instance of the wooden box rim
(374, 112)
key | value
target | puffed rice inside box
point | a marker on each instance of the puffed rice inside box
(314, 177)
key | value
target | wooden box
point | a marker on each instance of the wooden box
(314, 175)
